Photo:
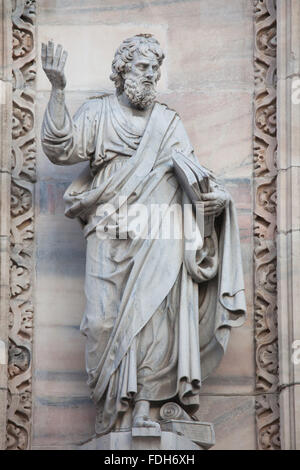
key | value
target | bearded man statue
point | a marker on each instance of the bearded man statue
(158, 310)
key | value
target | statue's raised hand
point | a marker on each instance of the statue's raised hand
(53, 62)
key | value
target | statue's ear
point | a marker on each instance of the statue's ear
(127, 68)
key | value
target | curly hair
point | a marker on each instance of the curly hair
(143, 43)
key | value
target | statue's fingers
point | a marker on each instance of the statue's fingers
(209, 196)
(211, 211)
(50, 50)
(62, 61)
(209, 204)
(44, 55)
(57, 56)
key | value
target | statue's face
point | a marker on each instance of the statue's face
(144, 68)
(140, 81)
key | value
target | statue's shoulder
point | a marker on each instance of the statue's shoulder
(167, 111)
(165, 107)
(96, 101)
(94, 104)
(100, 96)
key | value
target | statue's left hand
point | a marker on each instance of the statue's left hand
(213, 202)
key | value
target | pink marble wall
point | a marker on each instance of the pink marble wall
(208, 79)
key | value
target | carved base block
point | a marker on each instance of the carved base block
(171, 438)
(201, 433)
(146, 432)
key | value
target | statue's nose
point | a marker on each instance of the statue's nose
(149, 73)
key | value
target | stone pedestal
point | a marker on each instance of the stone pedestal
(198, 436)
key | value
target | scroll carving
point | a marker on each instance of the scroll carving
(265, 173)
(172, 410)
(22, 226)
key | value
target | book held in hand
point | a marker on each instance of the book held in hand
(194, 180)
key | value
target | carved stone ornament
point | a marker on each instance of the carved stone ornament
(22, 227)
(265, 173)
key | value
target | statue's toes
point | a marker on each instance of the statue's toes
(145, 422)
(151, 424)
(140, 422)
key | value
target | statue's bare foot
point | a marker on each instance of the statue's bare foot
(144, 422)
(141, 417)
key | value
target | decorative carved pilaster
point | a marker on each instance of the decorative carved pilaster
(5, 178)
(265, 254)
(22, 226)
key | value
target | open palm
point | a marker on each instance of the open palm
(53, 64)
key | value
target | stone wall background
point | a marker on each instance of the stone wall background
(208, 78)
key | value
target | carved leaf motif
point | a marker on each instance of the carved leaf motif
(18, 360)
(17, 437)
(19, 280)
(21, 200)
(268, 358)
(23, 310)
(29, 162)
(26, 403)
(22, 122)
(266, 197)
(26, 321)
(266, 119)
(266, 41)
(22, 43)
(29, 72)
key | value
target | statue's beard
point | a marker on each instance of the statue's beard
(141, 95)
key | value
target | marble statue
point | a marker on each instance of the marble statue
(158, 309)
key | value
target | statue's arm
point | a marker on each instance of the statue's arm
(53, 65)
(59, 132)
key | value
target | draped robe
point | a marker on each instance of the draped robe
(158, 311)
